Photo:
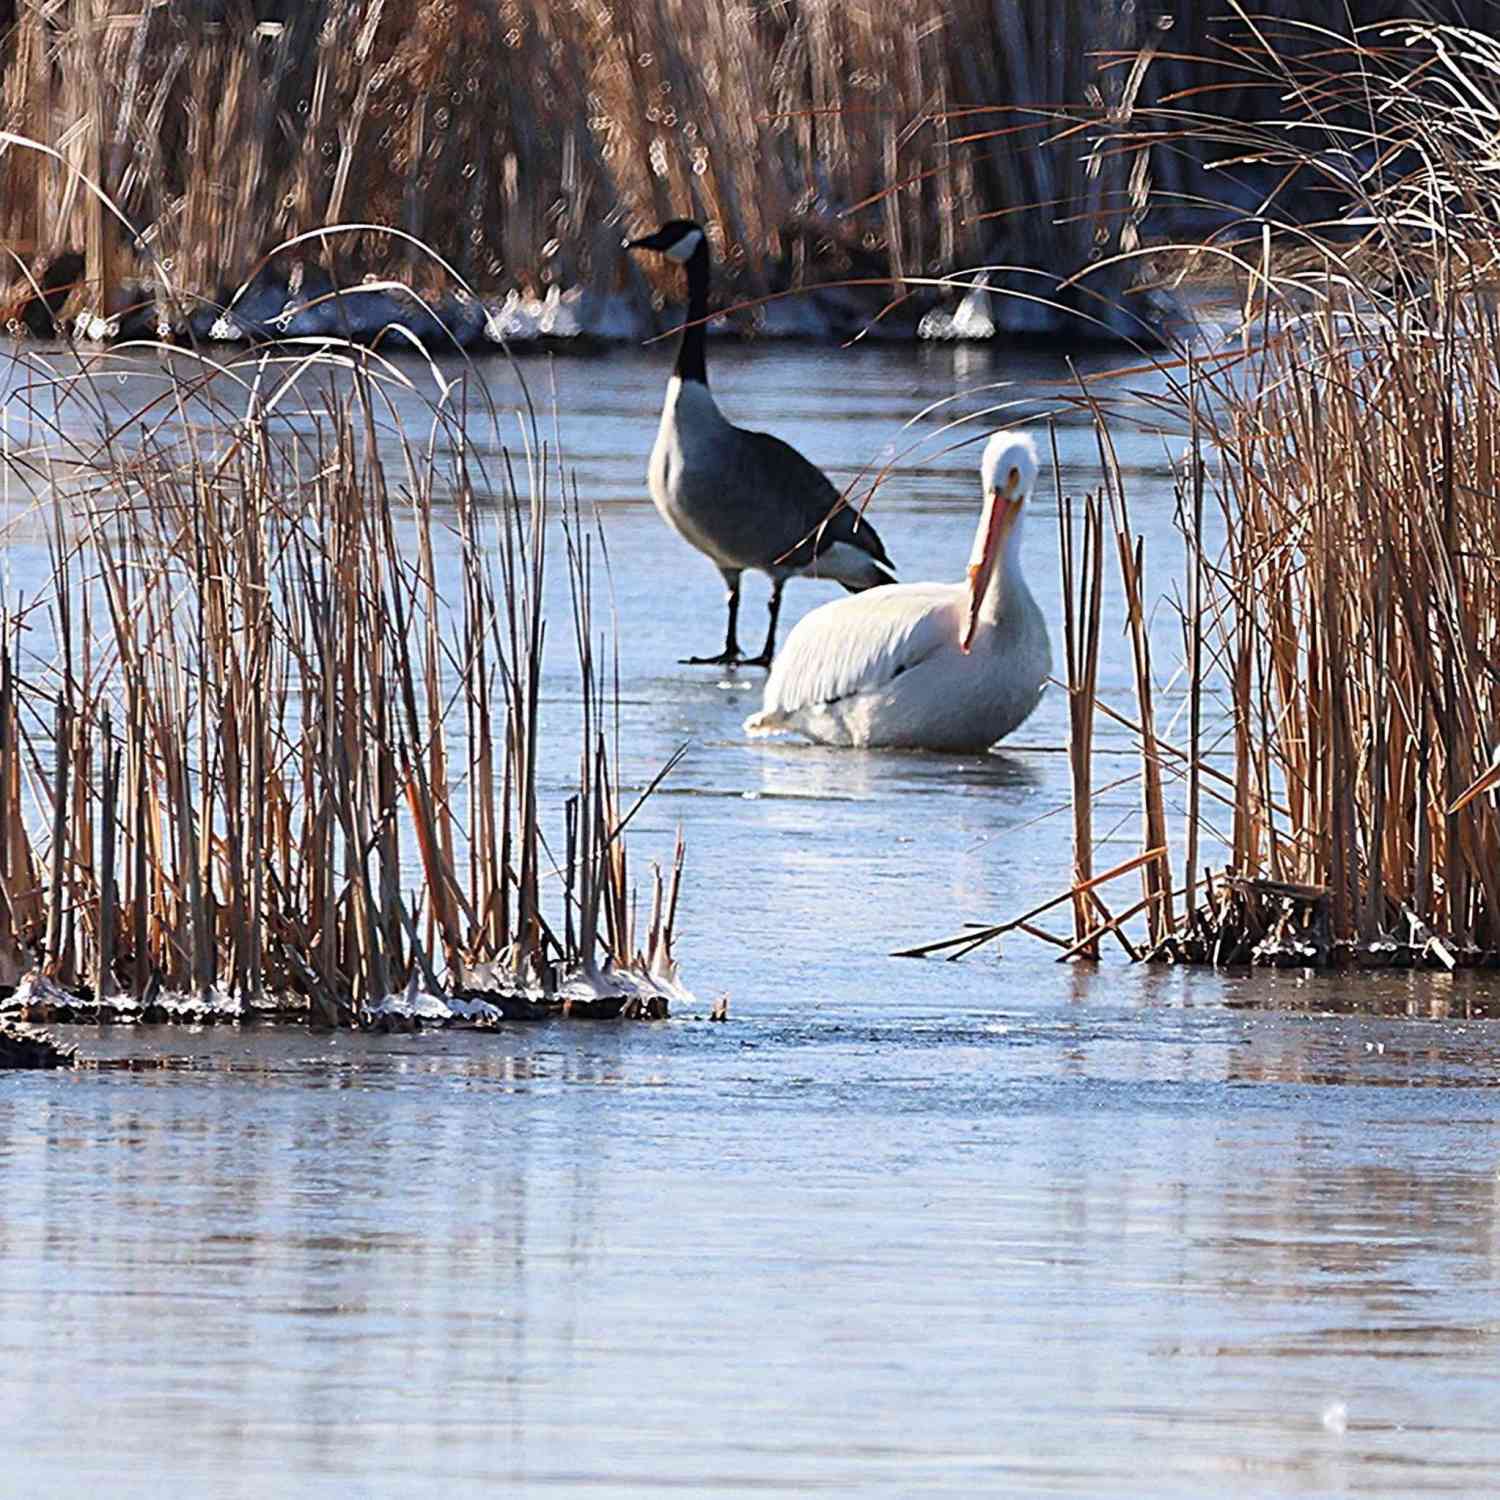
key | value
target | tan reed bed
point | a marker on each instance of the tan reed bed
(1351, 443)
(828, 141)
(268, 766)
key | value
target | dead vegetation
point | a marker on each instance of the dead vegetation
(822, 142)
(258, 758)
(1350, 626)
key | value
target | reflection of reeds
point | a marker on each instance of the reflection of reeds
(242, 749)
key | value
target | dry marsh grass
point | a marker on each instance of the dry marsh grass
(823, 141)
(1350, 441)
(513, 138)
(257, 756)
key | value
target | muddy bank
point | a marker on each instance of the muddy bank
(24, 1047)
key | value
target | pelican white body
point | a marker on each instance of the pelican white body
(889, 667)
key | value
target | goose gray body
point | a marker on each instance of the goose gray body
(748, 500)
(745, 499)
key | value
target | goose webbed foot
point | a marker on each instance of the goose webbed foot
(730, 655)
(723, 659)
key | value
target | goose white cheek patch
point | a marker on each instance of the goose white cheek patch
(684, 248)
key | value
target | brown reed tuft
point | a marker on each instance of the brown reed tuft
(836, 140)
(252, 755)
(1351, 621)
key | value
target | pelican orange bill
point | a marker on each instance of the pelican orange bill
(1000, 512)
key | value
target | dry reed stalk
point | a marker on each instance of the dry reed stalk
(966, 942)
(1193, 533)
(1130, 550)
(1082, 582)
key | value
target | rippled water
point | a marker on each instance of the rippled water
(1004, 1227)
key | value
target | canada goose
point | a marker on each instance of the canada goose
(744, 499)
(935, 666)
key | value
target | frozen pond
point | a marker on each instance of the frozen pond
(1004, 1227)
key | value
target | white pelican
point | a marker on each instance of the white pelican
(934, 666)
(744, 499)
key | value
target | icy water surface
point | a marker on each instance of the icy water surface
(1003, 1227)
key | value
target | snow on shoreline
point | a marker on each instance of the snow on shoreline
(652, 994)
(310, 306)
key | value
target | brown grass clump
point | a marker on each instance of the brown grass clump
(831, 141)
(1352, 621)
(253, 759)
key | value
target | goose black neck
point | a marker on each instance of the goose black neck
(690, 352)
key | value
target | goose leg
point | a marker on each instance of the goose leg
(769, 649)
(730, 655)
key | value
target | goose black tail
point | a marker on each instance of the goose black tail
(877, 576)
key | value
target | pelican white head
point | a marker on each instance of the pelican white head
(1008, 471)
(1009, 465)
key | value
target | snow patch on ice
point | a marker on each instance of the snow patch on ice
(609, 982)
(522, 318)
(37, 990)
(440, 1010)
(97, 330)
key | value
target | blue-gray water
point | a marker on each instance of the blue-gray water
(1004, 1227)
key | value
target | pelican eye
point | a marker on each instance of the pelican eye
(1012, 479)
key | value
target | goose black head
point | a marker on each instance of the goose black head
(677, 239)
